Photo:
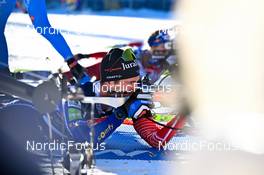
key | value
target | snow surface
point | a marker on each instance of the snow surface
(84, 34)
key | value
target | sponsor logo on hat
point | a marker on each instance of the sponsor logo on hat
(113, 69)
(129, 65)
(114, 76)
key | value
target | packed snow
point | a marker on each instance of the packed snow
(84, 34)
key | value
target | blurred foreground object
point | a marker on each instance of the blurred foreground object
(222, 62)
(221, 56)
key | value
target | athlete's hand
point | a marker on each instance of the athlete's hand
(135, 107)
(76, 69)
(138, 108)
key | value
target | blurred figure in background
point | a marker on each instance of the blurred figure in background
(75, 5)
(161, 57)
(21, 6)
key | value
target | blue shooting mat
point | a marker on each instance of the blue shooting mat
(125, 143)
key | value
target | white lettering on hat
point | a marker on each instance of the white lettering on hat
(129, 65)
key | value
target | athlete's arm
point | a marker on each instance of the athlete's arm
(38, 14)
(102, 129)
(155, 135)
(105, 127)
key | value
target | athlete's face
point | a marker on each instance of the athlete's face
(159, 47)
(160, 50)
(120, 88)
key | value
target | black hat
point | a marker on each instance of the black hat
(119, 64)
